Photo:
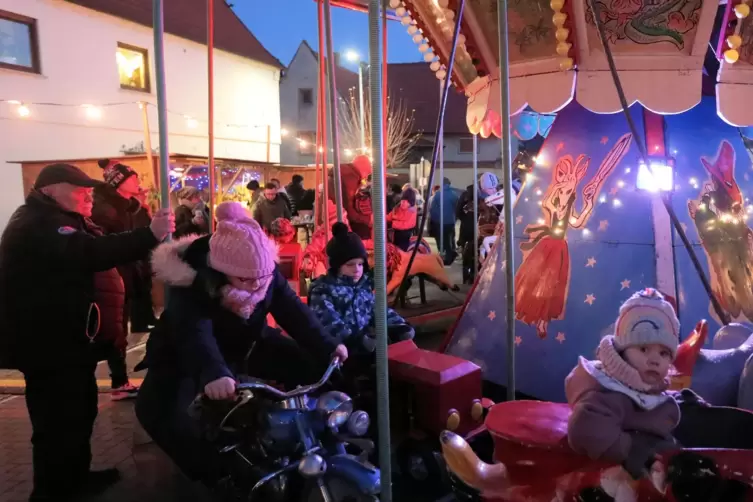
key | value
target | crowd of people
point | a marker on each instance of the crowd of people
(76, 279)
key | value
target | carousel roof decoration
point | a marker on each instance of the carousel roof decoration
(556, 55)
(734, 15)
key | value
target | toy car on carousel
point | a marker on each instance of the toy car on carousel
(533, 462)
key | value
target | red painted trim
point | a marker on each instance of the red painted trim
(654, 128)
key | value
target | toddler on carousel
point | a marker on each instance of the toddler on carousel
(622, 411)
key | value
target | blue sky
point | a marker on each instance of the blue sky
(281, 25)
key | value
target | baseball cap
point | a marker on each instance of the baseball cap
(55, 174)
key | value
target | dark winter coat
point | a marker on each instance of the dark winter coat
(346, 309)
(266, 211)
(114, 214)
(295, 193)
(54, 268)
(206, 341)
(184, 224)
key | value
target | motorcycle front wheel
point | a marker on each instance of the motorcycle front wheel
(337, 490)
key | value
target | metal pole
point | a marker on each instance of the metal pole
(475, 205)
(723, 316)
(441, 178)
(380, 258)
(504, 86)
(360, 108)
(210, 97)
(159, 70)
(333, 108)
(148, 143)
(435, 150)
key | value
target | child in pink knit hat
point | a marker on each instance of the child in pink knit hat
(621, 410)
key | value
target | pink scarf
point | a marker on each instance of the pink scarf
(242, 302)
(619, 369)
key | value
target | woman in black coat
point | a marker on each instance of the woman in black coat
(222, 287)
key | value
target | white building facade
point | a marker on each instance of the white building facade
(74, 81)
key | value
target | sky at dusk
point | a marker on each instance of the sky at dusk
(281, 25)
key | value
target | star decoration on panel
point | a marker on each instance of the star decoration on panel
(590, 299)
(560, 337)
(560, 147)
(518, 340)
(604, 140)
(492, 315)
(603, 224)
(625, 284)
(613, 191)
(519, 219)
(591, 262)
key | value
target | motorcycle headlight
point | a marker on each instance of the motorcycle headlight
(358, 423)
(336, 407)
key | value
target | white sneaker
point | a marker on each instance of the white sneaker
(127, 391)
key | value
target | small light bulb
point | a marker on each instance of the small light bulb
(616, 203)
(23, 110)
(620, 183)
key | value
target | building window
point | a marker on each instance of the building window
(305, 97)
(133, 67)
(465, 145)
(19, 44)
(306, 142)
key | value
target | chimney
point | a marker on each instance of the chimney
(337, 59)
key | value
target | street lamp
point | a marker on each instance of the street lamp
(353, 57)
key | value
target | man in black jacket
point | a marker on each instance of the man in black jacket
(55, 268)
(295, 193)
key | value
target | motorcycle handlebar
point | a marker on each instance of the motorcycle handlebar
(306, 389)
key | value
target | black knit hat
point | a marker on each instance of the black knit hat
(344, 246)
(115, 173)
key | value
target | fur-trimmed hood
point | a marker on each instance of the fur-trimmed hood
(169, 265)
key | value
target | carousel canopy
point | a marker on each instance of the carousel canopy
(555, 54)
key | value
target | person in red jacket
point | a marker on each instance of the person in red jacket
(403, 219)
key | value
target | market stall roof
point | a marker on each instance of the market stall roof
(556, 55)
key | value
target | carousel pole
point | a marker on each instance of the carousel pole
(723, 316)
(333, 106)
(385, 89)
(322, 149)
(442, 250)
(504, 86)
(210, 130)
(159, 70)
(435, 151)
(380, 258)
(475, 206)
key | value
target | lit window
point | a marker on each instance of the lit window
(133, 67)
(19, 46)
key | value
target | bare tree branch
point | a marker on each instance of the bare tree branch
(400, 134)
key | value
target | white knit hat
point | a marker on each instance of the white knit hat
(488, 181)
(645, 318)
(239, 247)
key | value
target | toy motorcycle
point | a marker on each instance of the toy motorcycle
(280, 446)
(534, 463)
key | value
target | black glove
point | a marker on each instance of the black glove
(643, 449)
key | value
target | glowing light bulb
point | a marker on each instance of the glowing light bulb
(23, 110)
(620, 183)
(538, 191)
(603, 199)
(191, 123)
(586, 232)
(540, 221)
(627, 170)
(92, 112)
(283, 132)
(616, 203)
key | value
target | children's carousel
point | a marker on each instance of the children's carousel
(641, 183)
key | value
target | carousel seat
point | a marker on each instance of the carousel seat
(531, 423)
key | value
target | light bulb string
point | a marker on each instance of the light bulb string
(124, 103)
